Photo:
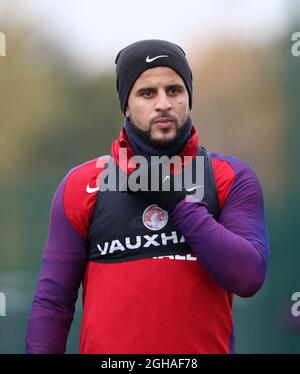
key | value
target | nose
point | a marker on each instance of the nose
(162, 102)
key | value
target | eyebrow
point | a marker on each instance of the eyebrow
(143, 89)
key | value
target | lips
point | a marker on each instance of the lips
(164, 120)
(164, 123)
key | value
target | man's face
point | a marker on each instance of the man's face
(158, 106)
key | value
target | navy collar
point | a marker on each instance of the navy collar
(142, 149)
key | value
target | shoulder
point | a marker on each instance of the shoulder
(231, 172)
(81, 185)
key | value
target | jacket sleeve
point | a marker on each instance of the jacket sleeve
(234, 250)
(63, 266)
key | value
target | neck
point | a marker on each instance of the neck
(142, 149)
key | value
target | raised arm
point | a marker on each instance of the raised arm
(235, 249)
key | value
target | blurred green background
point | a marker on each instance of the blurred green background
(54, 116)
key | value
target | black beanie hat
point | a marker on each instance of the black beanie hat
(134, 59)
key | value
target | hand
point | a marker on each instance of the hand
(157, 185)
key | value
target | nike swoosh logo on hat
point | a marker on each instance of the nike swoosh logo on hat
(91, 190)
(148, 59)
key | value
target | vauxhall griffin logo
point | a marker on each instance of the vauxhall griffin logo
(155, 218)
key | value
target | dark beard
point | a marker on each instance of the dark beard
(158, 144)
